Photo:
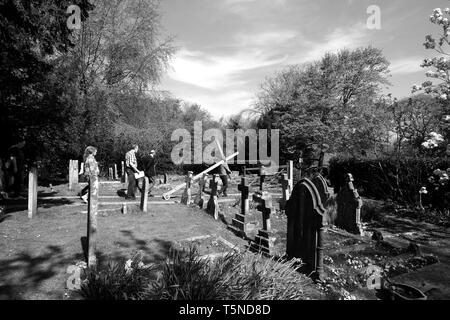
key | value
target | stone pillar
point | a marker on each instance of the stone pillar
(213, 203)
(285, 190)
(199, 198)
(263, 241)
(73, 174)
(166, 178)
(111, 174)
(186, 197)
(92, 220)
(238, 223)
(144, 195)
(32, 192)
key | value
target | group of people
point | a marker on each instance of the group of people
(12, 172)
(148, 167)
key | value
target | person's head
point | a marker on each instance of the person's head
(135, 147)
(89, 151)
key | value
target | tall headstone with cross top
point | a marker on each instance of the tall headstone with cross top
(199, 199)
(186, 198)
(238, 222)
(264, 238)
(349, 205)
(286, 192)
(213, 203)
(305, 229)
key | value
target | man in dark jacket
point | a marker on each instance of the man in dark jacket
(149, 166)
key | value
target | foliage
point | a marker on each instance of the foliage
(187, 276)
(396, 178)
(332, 101)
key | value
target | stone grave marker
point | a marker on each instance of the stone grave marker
(123, 171)
(284, 180)
(349, 205)
(213, 203)
(186, 198)
(238, 222)
(263, 241)
(73, 174)
(305, 214)
(116, 174)
(321, 185)
(32, 192)
(92, 220)
(144, 195)
(199, 199)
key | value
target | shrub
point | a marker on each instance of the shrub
(397, 179)
(188, 276)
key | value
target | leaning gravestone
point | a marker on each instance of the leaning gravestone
(305, 214)
(349, 205)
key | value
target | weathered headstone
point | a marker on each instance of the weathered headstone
(144, 194)
(73, 174)
(286, 192)
(305, 214)
(199, 200)
(238, 222)
(32, 192)
(213, 203)
(111, 173)
(349, 205)
(186, 197)
(322, 187)
(263, 241)
(124, 174)
(92, 220)
(116, 174)
(290, 172)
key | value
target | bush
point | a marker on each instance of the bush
(397, 179)
(188, 276)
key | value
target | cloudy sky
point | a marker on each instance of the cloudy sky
(228, 47)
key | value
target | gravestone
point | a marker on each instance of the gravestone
(123, 171)
(285, 190)
(321, 185)
(144, 194)
(305, 214)
(213, 203)
(263, 241)
(199, 199)
(116, 174)
(166, 179)
(32, 192)
(238, 222)
(349, 205)
(186, 197)
(92, 220)
(73, 174)
(290, 172)
(111, 174)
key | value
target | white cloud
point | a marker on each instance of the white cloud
(406, 65)
(269, 38)
(217, 72)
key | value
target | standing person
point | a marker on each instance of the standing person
(17, 159)
(90, 169)
(224, 172)
(131, 169)
(149, 164)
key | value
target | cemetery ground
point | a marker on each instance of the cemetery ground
(35, 253)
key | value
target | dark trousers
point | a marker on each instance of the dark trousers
(132, 186)
(224, 184)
